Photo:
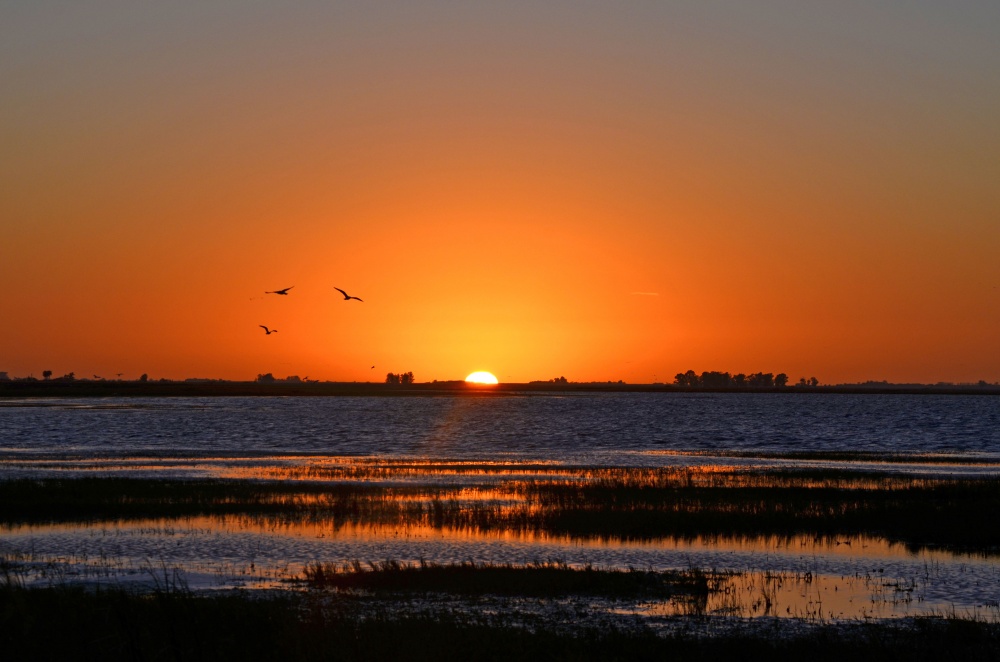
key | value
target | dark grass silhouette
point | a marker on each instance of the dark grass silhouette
(113, 624)
(629, 504)
(534, 579)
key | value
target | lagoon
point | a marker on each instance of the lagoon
(490, 454)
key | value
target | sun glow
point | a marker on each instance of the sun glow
(481, 377)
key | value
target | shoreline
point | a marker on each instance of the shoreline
(212, 388)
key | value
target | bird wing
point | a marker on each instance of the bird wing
(342, 292)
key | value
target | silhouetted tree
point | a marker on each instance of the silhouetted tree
(144, 377)
(46, 374)
(399, 378)
(3, 376)
(69, 377)
(266, 378)
(689, 378)
(715, 379)
(813, 381)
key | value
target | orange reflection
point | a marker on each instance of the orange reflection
(795, 595)
(519, 475)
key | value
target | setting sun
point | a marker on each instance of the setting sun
(481, 377)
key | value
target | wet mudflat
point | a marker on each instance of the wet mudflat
(823, 528)
(170, 624)
(815, 544)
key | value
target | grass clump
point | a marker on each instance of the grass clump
(534, 580)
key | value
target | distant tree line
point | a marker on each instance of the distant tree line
(400, 378)
(714, 379)
(68, 377)
(268, 378)
(555, 380)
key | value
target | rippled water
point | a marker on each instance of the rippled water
(603, 428)
(798, 576)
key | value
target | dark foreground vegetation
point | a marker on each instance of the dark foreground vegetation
(72, 623)
(627, 504)
(539, 579)
(367, 612)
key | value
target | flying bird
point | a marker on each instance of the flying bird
(347, 296)
(267, 331)
(283, 292)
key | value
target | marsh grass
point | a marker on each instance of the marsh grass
(536, 579)
(855, 456)
(104, 499)
(946, 514)
(612, 503)
(11, 575)
(110, 625)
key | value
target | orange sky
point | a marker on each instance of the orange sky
(601, 191)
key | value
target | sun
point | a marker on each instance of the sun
(481, 377)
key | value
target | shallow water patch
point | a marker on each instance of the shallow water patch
(796, 576)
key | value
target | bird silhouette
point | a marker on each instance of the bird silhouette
(347, 296)
(267, 330)
(283, 292)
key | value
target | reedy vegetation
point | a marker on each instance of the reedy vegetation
(108, 625)
(610, 503)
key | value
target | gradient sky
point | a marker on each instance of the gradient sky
(598, 190)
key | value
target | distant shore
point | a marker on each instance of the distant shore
(58, 388)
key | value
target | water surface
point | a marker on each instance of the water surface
(477, 441)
